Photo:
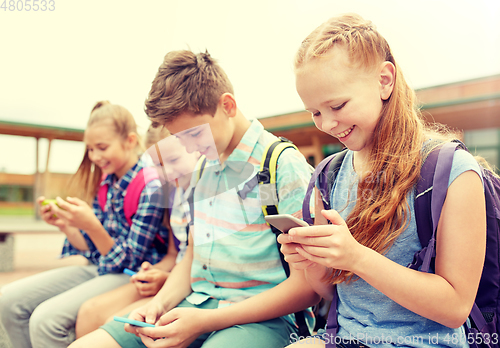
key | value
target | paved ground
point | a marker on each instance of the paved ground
(33, 253)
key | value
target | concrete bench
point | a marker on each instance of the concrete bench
(9, 227)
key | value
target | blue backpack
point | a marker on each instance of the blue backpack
(484, 319)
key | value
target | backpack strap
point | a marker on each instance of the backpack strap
(325, 173)
(102, 194)
(134, 190)
(435, 175)
(268, 191)
(266, 177)
(332, 325)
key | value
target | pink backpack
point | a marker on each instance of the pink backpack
(131, 200)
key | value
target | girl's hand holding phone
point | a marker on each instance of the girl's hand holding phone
(75, 212)
(332, 246)
(48, 215)
(289, 250)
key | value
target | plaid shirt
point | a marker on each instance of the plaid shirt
(132, 243)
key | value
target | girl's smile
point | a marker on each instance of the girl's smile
(344, 134)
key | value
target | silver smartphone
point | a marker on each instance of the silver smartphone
(284, 222)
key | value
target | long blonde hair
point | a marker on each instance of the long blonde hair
(85, 182)
(381, 213)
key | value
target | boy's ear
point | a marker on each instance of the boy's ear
(227, 103)
(387, 79)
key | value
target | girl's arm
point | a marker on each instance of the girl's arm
(446, 296)
(80, 216)
(178, 285)
(129, 246)
(75, 237)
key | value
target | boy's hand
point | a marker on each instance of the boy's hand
(177, 328)
(149, 313)
(149, 279)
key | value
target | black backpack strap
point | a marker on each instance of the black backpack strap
(267, 175)
(267, 183)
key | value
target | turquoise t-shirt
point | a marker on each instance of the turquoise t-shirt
(366, 314)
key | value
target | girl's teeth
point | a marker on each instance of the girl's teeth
(345, 133)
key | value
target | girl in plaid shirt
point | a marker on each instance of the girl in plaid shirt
(177, 165)
(41, 310)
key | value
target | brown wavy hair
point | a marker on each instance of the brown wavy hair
(381, 212)
(85, 182)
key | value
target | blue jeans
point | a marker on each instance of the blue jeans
(40, 311)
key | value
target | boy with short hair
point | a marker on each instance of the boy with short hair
(230, 290)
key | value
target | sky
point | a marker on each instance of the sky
(55, 65)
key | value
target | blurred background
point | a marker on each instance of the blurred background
(55, 65)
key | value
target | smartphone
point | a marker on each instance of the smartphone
(47, 201)
(284, 222)
(132, 322)
(129, 272)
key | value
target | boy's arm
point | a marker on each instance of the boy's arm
(178, 284)
(184, 325)
(292, 295)
(176, 288)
